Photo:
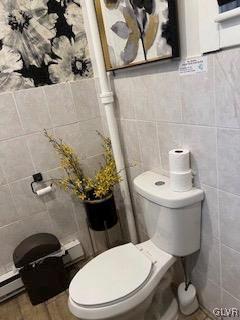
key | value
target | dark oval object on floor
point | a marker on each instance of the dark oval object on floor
(35, 247)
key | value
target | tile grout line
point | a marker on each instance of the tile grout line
(30, 154)
(18, 112)
(140, 148)
(223, 290)
(159, 147)
(218, 197)
(14, 204)
(186, 124)
(71, 94)
(48, 128)
(217, 167)
(4, 173)
(47, 105)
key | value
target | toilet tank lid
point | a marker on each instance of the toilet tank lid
(156, 188)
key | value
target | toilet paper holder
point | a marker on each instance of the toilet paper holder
(37, 177)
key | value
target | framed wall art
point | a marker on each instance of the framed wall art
(137, 31)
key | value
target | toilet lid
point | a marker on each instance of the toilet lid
(111, 276)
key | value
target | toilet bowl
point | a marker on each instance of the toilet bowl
(120, 283)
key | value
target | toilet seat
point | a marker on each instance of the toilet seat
(100, 282)
(160, 262)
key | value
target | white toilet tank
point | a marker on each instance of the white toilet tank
(173, 219)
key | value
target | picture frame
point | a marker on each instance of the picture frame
(136, 32)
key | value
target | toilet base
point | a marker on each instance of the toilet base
(170, 314)
(161, 305)
(164, 305)
(153, 313)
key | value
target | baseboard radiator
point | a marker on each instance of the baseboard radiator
(11, 283)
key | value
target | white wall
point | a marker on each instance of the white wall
(158, 110)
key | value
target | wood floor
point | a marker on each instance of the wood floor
(199, 315)
(20, 308)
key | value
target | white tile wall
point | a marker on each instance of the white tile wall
(15, 159)
(70, 111)
(197, 93)
(10, 125)
(43, 155)
(148, 141)
(210, 212)
(7, 208)
(33, 109)
(229, 301)
(60, 103)
(71, 134)
(85, 99)
(130, 140)
(230, 271)
(125, 98)
(209, 293)
(25, 201)
(170, 136)
(228, 155)
(227, 73)
(200, 112)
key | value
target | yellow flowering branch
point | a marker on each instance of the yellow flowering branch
(82, 186)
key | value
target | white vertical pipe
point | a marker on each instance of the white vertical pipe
(108, 102)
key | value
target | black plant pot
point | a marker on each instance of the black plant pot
(101, 214)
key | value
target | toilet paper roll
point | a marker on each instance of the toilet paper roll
(44, 191)
(181, 181)
(179, 160)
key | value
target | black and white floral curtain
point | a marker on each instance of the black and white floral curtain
(42, 42)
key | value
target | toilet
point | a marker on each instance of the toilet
(120, 283)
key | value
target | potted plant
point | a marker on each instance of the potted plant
(95, 192)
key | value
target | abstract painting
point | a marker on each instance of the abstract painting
(137, 31)
(42, 42)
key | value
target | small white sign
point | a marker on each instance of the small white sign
(193, 65)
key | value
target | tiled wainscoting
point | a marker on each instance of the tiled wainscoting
(159, 110)
(69, 111)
